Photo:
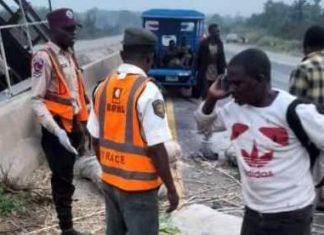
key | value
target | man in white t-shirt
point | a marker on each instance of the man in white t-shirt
(275, 169)
(129, 127)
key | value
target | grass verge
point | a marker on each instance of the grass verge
(9, 202)
(292, 47)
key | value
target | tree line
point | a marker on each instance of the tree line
(288, 21)
(99, 23)
(278, 19)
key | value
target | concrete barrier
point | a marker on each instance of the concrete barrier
(99, 69)
(20, 150)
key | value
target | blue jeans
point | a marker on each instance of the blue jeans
(131, 213)
(296, 222)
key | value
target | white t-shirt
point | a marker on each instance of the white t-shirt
(274, 167)
(155, 129)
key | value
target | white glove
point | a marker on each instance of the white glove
(65, 141)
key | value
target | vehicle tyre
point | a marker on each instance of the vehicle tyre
(196, 91)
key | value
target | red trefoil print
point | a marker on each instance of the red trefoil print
(255, 159)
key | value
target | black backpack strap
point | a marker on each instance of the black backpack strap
(296, 126)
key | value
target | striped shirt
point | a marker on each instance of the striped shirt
(307, 80)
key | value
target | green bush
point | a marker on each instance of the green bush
(254, 36)
(9, 202)
(274, 43)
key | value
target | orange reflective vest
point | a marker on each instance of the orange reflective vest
(60, 103)
(123, 156)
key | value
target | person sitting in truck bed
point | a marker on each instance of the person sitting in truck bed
(170, 58)
(185, 53)
(177, 56)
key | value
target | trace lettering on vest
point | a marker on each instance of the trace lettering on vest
(112, 157)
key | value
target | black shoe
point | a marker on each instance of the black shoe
(72, 231)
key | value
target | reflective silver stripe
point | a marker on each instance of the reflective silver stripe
(58, 99)
(130, 112)
(126, 148)
(54, 60)
(102, 109)
(129, 174)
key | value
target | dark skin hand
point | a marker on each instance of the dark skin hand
(160, 160)
(255, 91)
(215, 93)
(87, 136)
(80, 129)
(96, 147)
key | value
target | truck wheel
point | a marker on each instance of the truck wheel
(196, 91)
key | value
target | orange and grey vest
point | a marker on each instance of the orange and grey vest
(123, 156)
(60, 103)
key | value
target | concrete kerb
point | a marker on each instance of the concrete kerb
(20, 150)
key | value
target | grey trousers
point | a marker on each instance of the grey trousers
(131, 213)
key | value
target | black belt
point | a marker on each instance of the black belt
(277, 215)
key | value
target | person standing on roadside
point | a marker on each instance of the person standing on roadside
(277, 184)
(60, 105)
(307, 81)
(210, 61)
(129, 128)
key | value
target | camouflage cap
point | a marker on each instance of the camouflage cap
(139, 36)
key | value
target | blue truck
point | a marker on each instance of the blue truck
(182, 28)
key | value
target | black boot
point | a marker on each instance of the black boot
(72, 231)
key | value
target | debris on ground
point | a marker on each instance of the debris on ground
(213, 183)
(39, 216)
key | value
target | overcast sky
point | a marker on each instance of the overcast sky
(223, 7)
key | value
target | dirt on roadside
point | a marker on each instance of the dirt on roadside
(213, 184)
(39, 217)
